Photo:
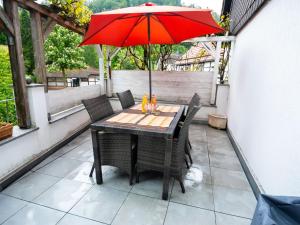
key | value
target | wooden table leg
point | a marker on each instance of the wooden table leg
(167, 166)
(97, 157)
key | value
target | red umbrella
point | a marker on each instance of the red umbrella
(149, 24)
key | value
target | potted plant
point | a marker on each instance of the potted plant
(5, 130)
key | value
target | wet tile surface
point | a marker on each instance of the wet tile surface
(34, 214)
(59, 190)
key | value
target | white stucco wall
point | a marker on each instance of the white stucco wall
(21, 151)
(264, 106)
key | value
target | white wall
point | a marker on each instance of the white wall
(168, 86)
(59, 100)
(264, 106)
(17, 153)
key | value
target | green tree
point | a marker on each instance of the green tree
(7, 110)
(75, 10)
(3, 39)
(62, 51)
(27, 42)
(91, 57)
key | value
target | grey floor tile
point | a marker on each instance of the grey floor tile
(100, 204)
(35, 215)
(82, 172)
(141, 210)
(234, 202)
(9, 206)
(230, 178)
(200, 158)
(45, 162)
(221, 149)
(65, 149)
(60, 167)
(63, 195)
(225, 162)
(196, 194)
(31, 186)
(75, 220)
(186, 215)
(199, 174)
(115, 178)
(199, 147)
(150, 185)
(222, 219)
(83, 152)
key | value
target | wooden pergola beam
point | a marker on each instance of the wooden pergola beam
(6, 22)
(48, 25)
(38, 47)
(17, 65)
(45, 11)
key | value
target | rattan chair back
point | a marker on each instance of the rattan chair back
(98, 108)
(183, 134)
(195, 101)
(126, 99)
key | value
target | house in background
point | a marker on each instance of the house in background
(264, 107)
(75, 78)
(195, 59)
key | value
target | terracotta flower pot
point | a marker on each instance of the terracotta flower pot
(6, 130)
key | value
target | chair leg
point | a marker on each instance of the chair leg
(189, 143)
(92, 170)
(186, 163)
(130, 179)
(188, 150)
(182, 186)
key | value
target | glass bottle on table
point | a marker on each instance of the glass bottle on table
(153, 103)
(144, 104)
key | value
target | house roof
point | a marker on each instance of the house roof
(78, 73)
(195, 54)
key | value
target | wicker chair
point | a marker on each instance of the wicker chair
(126, 99)
(115, 149)
(151, 154)
(195, 101)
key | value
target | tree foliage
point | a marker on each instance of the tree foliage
(27, 42)
(75, 10)
(62, 51)
(7, 111)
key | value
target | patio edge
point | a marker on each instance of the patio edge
(19, 172)
(256, 187)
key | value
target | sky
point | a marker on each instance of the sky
(215, 5)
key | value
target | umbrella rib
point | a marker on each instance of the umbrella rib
(197, 21)
(165, 28)
(96, 32)
(131, 29)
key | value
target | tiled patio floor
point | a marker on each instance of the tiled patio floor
(59, 191)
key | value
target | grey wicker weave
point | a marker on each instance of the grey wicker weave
(115, 149)
(151, 154)
(195, 101)
(126, 99)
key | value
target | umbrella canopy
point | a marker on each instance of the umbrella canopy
(149, 24)
(168, 25)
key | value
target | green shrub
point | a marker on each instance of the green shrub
(7, 111)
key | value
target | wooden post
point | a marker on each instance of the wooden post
(216, 73)
(17, 65)
(38, 48)
(101, 68)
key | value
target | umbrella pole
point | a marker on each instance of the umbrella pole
(149, 56)
(150, 71)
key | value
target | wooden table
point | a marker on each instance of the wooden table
(137, 129)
